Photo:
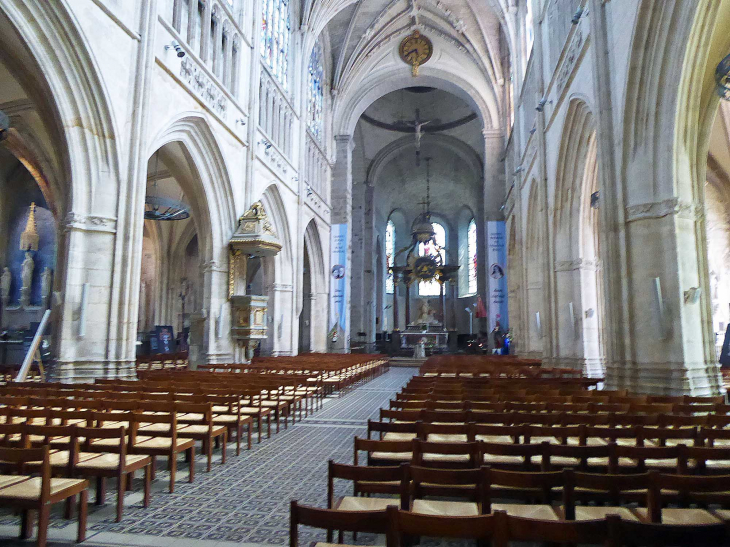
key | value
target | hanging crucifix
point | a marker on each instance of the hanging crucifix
(417, 125)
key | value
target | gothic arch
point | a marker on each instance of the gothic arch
(209, 192)
(578, 286)
(72, 93)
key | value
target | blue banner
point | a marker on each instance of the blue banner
(497, 273)
(339, 328)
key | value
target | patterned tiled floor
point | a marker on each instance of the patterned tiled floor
(247, 500)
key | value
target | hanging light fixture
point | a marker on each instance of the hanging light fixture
(722, 78)
(158, 207)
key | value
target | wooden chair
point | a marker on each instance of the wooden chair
(523, 486)
(365, 481)
(639, 459)
(510, 456)
(392, 431)
(405, 524)
(383, 452)
(459, 455)
(198, 424)
(687, 489)
(164, 443)
(114, 462)
(586, 532)
(601, 489)
(419, 483)
(375, 522)
(664, 535)
(581, 457)
(495, 433)
(38, 493)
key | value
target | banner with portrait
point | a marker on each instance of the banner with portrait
(338, 327)
(497, 273)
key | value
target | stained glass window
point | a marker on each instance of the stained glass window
(275, 37)
(431, 288)
(315, 100)
(471, 244)
(389, 256)
(529, 30)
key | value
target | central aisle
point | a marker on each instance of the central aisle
(247, 500)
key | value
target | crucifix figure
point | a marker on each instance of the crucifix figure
(418, 127)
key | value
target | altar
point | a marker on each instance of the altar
(434, 336)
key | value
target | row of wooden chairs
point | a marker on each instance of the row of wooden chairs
(488, 404)
(501, 529)
(156, 434)
(556, 495)
(88, 452)
(530, 433)
(603, 458)
(606, 419)
(29, 493)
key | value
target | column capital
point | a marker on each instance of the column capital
(342, 140)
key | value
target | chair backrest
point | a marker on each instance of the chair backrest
(508, 484)
(15, 459)
(442, 454)
(90, 434)
(370, 446)
(451, 483)
(591, 532)
(581, 453)
(675, 535)
(405, 523)
(603, 486)
(375, 522)
(390, 427)
(365, 479)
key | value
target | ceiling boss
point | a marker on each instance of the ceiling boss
(416, 50)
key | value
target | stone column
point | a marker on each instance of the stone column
(342, 214)
(358, 261)
(494, 196)
(218, 342)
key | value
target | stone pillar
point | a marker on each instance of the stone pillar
(491, 209)
(358, 261)
(218, 342)
(342, 214)
(369, 290)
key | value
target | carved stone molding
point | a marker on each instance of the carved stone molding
(203, 86)
(577, 264)
(282, 287)
(91, 223)
(571, 60)
(660, 209)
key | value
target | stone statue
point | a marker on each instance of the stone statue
(46, 286)
(26, 275)
(5, 281)
(27, 271)
(425, 314)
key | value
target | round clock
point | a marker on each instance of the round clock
(415, 50)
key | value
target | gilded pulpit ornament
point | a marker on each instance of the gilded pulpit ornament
(416, 50)
(29, 238)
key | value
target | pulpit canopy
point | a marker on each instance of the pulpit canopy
(255, 236)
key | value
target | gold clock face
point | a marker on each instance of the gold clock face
(416, 50)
